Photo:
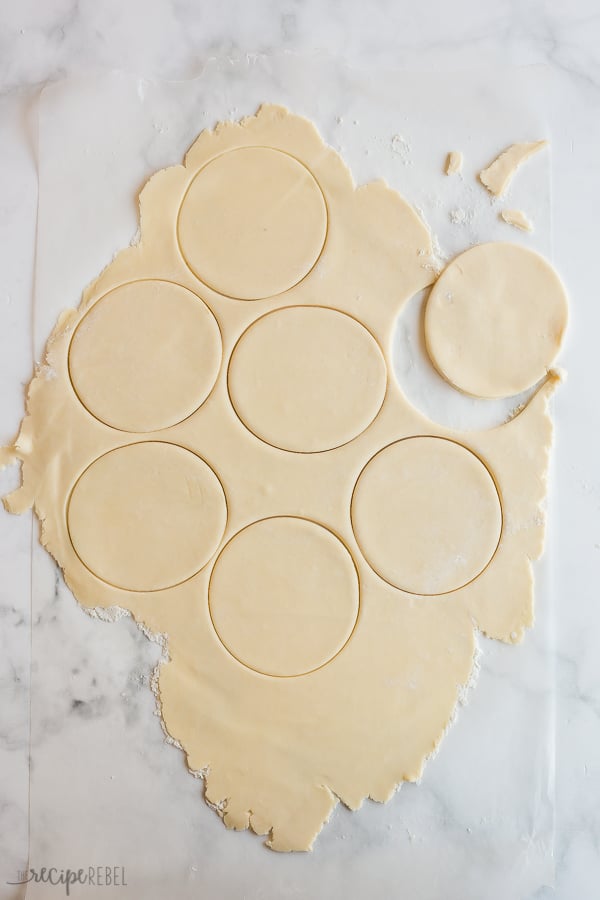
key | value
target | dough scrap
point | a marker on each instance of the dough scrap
(454, 163)
(517, 218)
(279, 750)
(495, 320)
(498, 175)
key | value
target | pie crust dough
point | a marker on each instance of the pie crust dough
(426, 515)
(454, 163)
(495, 320)
(146, 516)
(257, 542)
(300, 600)
(499, 174)
(516, 218)
(133, 373)
(257, 197)
(307, 378)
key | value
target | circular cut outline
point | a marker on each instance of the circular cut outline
(436, 437)
(425, 314)
(89, 310)
(359, 600)
(416, 405)
(280, 309)
(187, 190)
(169, 587)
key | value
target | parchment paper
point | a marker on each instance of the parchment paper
(106, 789)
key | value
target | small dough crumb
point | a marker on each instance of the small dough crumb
(454, 162)
(517, 218)
(497, 177)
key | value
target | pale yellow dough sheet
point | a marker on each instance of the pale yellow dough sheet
(216, 442)
(499, 174)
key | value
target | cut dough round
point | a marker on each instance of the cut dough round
(307, 378)
(495, 320)
(145, 356)
(284, 596)
(426, 515)
(146, 516)
(252, 223)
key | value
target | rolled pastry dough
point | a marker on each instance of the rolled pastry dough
(297, 675)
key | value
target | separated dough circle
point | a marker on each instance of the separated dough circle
(284, 596)
(426, 515)
(307, 378)
(252, 223)
(145, 356)
(495, 320)
(146, 516)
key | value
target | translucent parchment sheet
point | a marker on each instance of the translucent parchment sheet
(106, 787)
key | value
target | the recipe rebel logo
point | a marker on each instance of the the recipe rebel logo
(92, 876)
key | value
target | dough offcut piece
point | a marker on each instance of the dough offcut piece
(499, 174)
(516, 218)
(221, 428)
(454, 163)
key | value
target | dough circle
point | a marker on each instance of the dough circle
(284, 596)
(252, 223)
(495, 320)
(145, 356)
(307, 378)
(146, 516)
(426, 515)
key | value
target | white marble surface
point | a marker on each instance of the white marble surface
(40, 41)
